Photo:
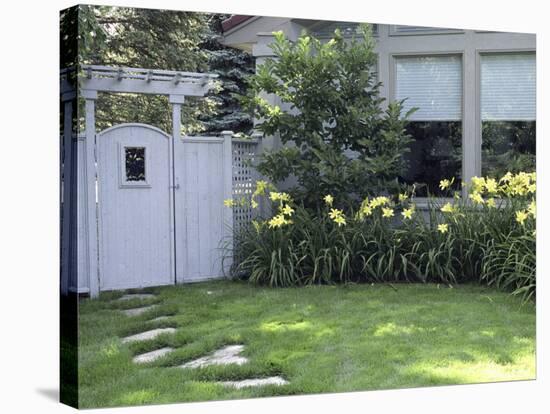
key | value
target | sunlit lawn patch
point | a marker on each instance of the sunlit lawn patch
(320, 339)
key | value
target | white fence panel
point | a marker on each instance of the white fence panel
(199, 220)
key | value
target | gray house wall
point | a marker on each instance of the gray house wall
(255, 36)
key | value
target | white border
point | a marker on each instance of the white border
(29, 208)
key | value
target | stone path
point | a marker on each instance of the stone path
(152, 356)
(255, 382)
(138, 311)
(225, 356)
(147, 335)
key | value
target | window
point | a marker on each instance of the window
(399, 30)
(508, 113)
(348, 29)
(433, 85)
(134, 163)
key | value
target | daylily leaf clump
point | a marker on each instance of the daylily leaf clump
(485, 234)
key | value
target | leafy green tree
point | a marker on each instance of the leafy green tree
(336, 137)
(133, 37)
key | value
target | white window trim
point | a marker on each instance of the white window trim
(427, 31)
(466, 152)
(123, 182)
(478, 135)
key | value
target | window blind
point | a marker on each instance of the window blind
(508, 87)
(347, 29)
(400, 29)
(433, 84)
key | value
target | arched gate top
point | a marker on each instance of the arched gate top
(135, 124)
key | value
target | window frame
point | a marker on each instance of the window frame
(425, 31)
(478, 121)
(422, 202)
(325, 36)
(123, 180)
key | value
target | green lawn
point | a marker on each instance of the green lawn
(321, 339)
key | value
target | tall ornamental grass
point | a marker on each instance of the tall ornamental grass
(488, 237)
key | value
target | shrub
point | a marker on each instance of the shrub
(488, 238)
(335, 109)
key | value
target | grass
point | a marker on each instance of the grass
(320, 338)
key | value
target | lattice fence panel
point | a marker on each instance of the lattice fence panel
(244, 179)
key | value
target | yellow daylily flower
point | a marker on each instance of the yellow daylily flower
(287, 210)
(448, 208)
(328, 199)
(261, 186)
(254, 203)
(275, 196)
(444, 184)
(334, 212)
(228, 202)
(491, 185)
(491, 203)
(478, 184)
(407, 213)
(476, 198)
(403, 197)
(278, 221)
(387, 212)
(341, 221)
(532, 208)
(365, 209)
(337, 216)
(521, 216)
(506, 177)
(379, 201)
(443, 228)
(285, 197)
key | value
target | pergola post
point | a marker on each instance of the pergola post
(176, 101)
(228, 191)
(89, 194)
(68, 196)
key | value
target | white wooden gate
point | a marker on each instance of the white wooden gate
(135, 223)
(153, 232)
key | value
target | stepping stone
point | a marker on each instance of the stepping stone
(144, 336)
(255, 382)
(225, 356)
(138, 311)
(152, 356)
(131, 296)
(160, 318)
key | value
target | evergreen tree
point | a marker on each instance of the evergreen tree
(233, 67)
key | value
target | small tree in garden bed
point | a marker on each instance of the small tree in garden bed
(333, 110)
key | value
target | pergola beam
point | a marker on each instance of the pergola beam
(147, 81)
(143, 86)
